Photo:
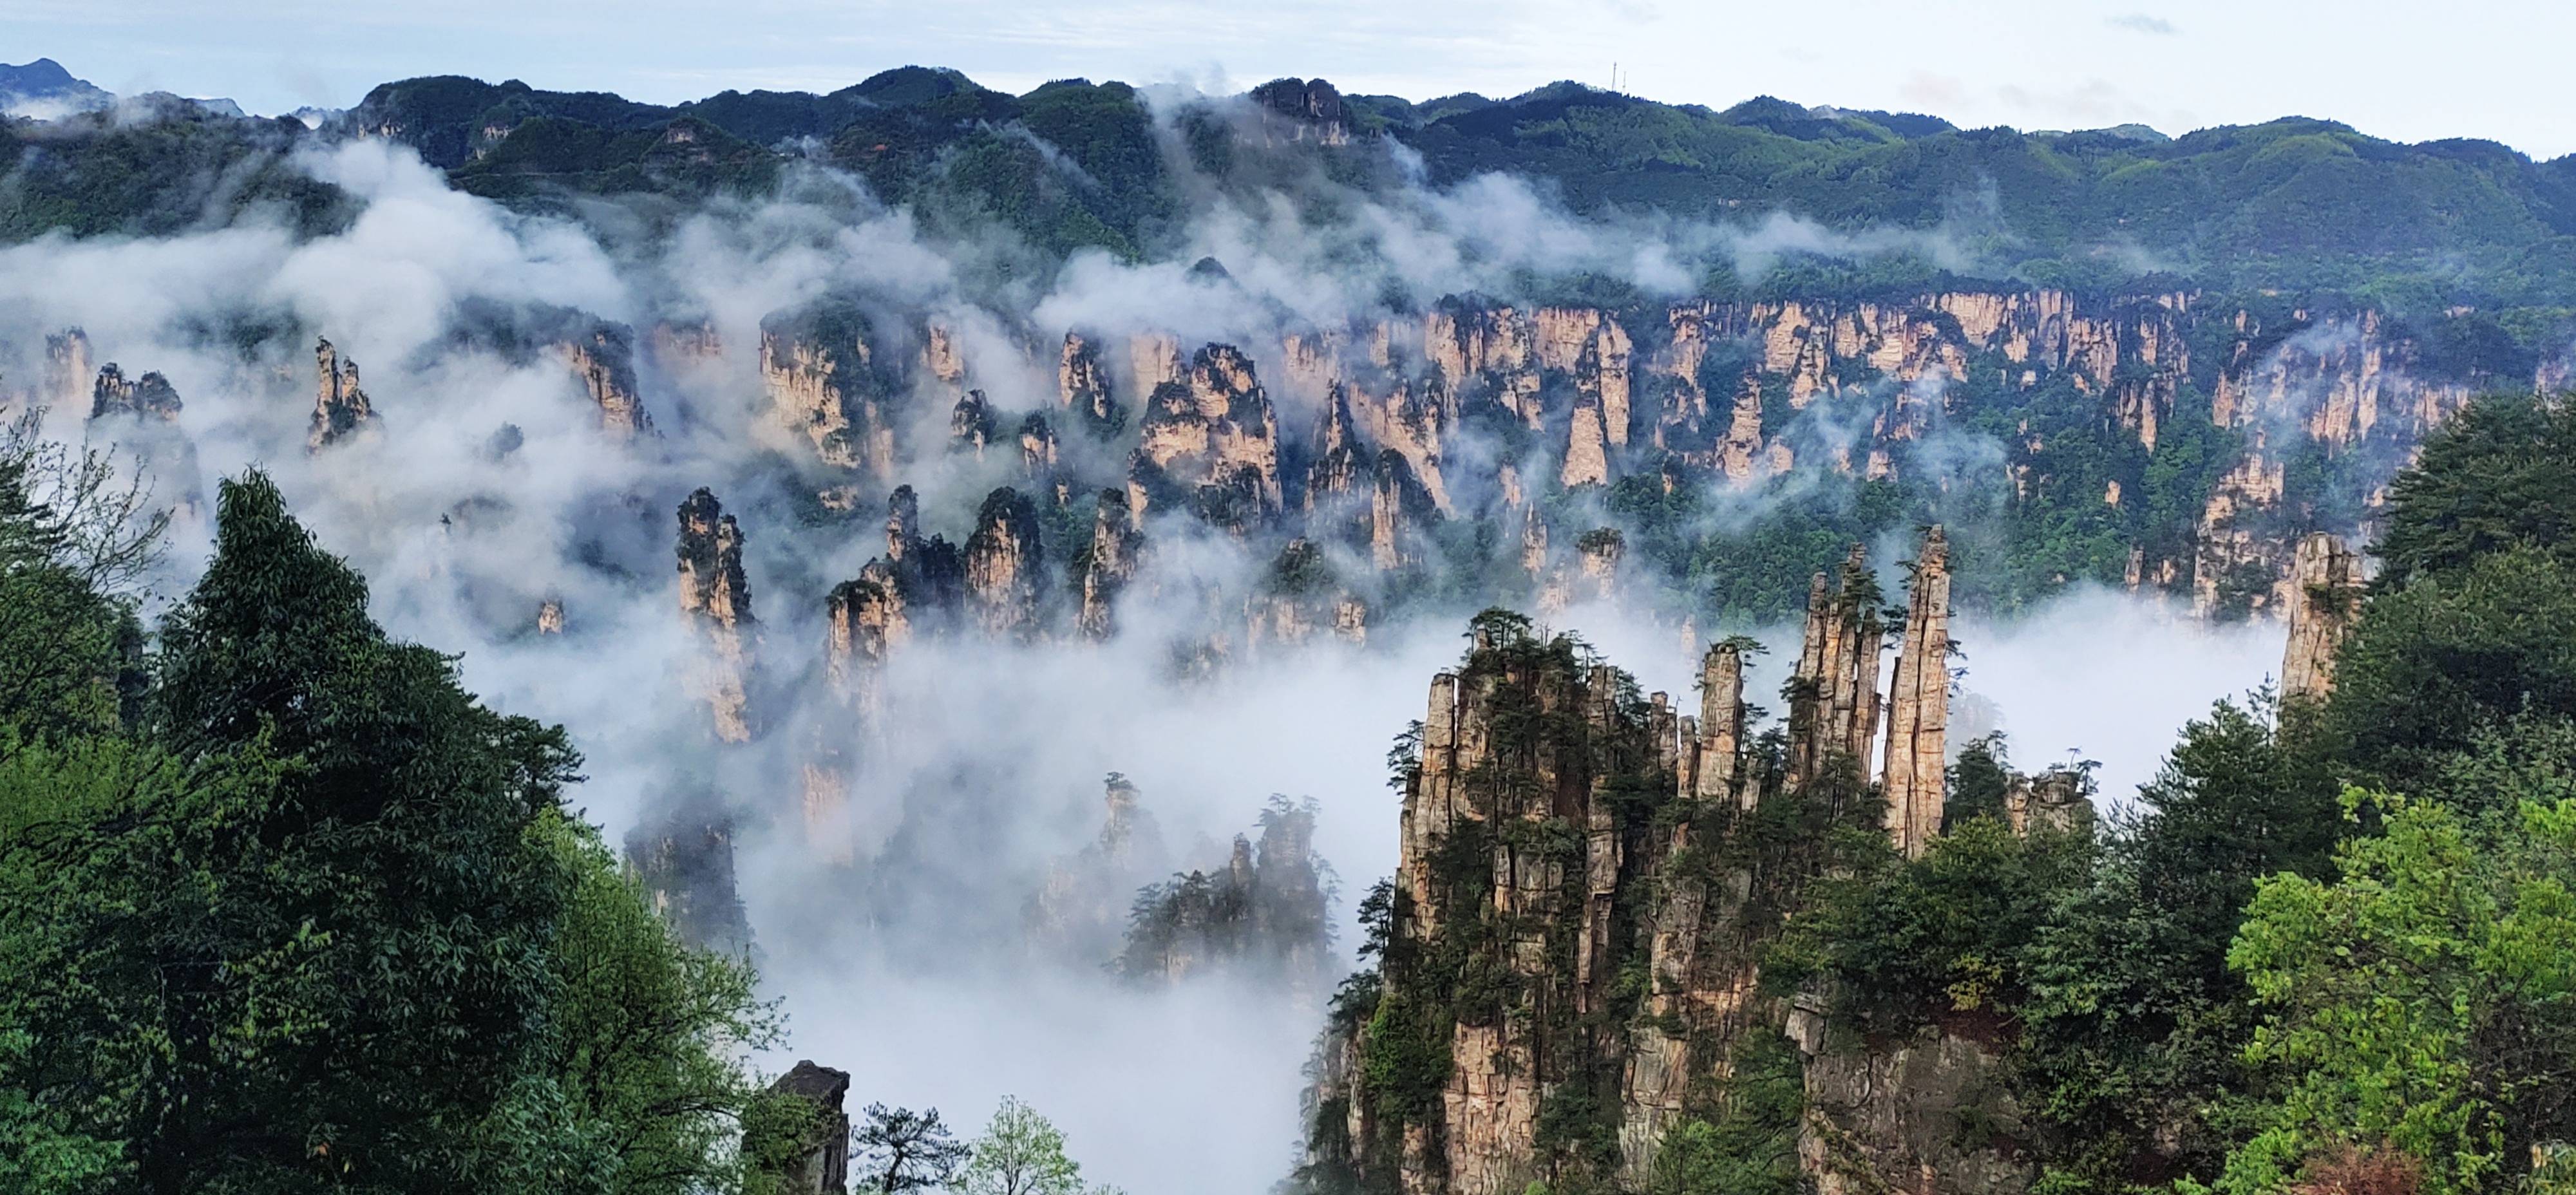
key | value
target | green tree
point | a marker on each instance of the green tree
(1022, 1153)
(411, 912)
(2425, 997)
(651, 1031)
(319, 920)
(2450, 654)
(2133, 1029)
(2501, 476)
(1750, 1146)
(905, 1150)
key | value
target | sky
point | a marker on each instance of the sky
(2401, 69)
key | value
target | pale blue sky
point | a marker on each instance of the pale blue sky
(2406, 69)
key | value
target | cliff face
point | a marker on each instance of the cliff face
(1587, 879)
(1211, 445)
(684, 860)
(1115, 549)
(1262, 913)
(1082, 386)
(141, 415)
(1834, 702)
(604, 362)
(340, 408)
(917, 586)
(817, 1163)
(1302, 110)
(1919, 705)
(1081, 910)
(68, 368)
(819, 368)
(1004, 565)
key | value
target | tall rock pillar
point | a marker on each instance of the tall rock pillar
(1833, 691)
(1915, 782)
(714, 592)
(2325, 578)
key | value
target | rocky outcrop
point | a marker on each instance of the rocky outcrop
(819, 1160)
(1004, 566)
(918, 585)
(2325, 593)
(819, 369)
(1919, 1116)
(970, 425)
(1081, 909)
(683, 858)
(68, 368)
(1400, 513)
(1303, 110)
(1918, 718)
(1263, 914)
(1414, 419)
(604, 362)
(716, 596)
(1082, 386)
(1587, 883)
(1339, 459)
(340, 408)
(1116, 546)
(148, 397)
(1211, 445)
(941, 361)
(1039, 454)
(2057, 799)
(550, 616)
(1300, 597)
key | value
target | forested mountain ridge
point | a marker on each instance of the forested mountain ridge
(2297, 203)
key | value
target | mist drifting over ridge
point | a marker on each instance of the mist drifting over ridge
(894, 921)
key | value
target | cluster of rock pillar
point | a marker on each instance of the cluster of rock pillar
(1702, 980)
(1835, 705)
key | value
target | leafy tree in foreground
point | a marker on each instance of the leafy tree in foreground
(1022, 1153)
(2423, 1002)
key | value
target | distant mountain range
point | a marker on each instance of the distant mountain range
(2294, 204)
(43, 89)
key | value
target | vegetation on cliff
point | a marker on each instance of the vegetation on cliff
(2325, 949)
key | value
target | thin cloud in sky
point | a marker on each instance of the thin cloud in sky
(2143, 23)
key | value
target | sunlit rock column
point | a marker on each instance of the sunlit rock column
(604, 361)
(1914, 782)
(2325, 579)
(1003, 566)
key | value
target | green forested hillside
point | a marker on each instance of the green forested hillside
(2306, 205)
